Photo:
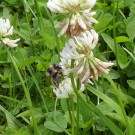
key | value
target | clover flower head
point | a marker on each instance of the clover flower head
(79, 50)
(5, 28)
(85, 68)
(87, 40)
(80, 45)
(78, 15)
(65, 89)
(10, 43)
(92, 68)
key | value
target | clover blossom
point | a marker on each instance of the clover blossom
(65, 89)
(7, 30)
(77, 15)
(77, 56)
(10, 43)
(83, 43)
(79, 51)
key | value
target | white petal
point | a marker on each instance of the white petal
(64, 29)
(10, 43)
(10, 32)
(95, 41)
(95, 71)
(81, 23)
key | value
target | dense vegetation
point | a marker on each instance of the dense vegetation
(28, 105)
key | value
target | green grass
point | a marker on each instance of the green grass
(27, 104)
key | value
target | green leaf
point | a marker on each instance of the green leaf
(6, 13)
(104, 107)
(42, 3)
(109, 41)
(129, 2)
(122, 57)
(121, 54)
(45, 131)
(55, 59)
(132, 125)
(24, 33)
(115, 129)
(103, 21)
(114, 74)
(64, 104)
(40, 66)
(11, 117)
(81, 122)
(107, 100)
(131, 29)
(20, 55)
(131, 83)
(130, 70)
(12, 2)
(10, 123)
(51, 42)
(14, 20)
(59, 124)
(23, 131)
(121, 39)
(115, 116)
(46, 55)
(88, 124)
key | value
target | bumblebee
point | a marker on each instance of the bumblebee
(55, 71)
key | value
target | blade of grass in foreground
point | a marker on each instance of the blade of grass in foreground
(55, 33)
(117, 91)
(116, 130)
(18, 123)
(105, 120)
(37, 85)
(27, 94)
(106, 99)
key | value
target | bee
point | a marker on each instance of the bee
(55, 71)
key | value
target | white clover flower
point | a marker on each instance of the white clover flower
(92, 68)
(78, 50)
(87, 39)
(80, 45)
(77, 15)
(65, 89)
(85, 68)
(5, 28)
(10, 43)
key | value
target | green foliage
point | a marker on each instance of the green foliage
(27, 103)
(131, 83)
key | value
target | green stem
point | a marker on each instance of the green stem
(40, 22)
(69, 110)
(55, 33)
(55, 106)
(29, 29)
(26, 3)
(114, 30)
(120, 101)
(125, 19)
(77, 117)
(10, 85)
(73, 117)
(37, 85)
(27, 94)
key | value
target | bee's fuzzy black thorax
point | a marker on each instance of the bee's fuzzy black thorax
(55, 71)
